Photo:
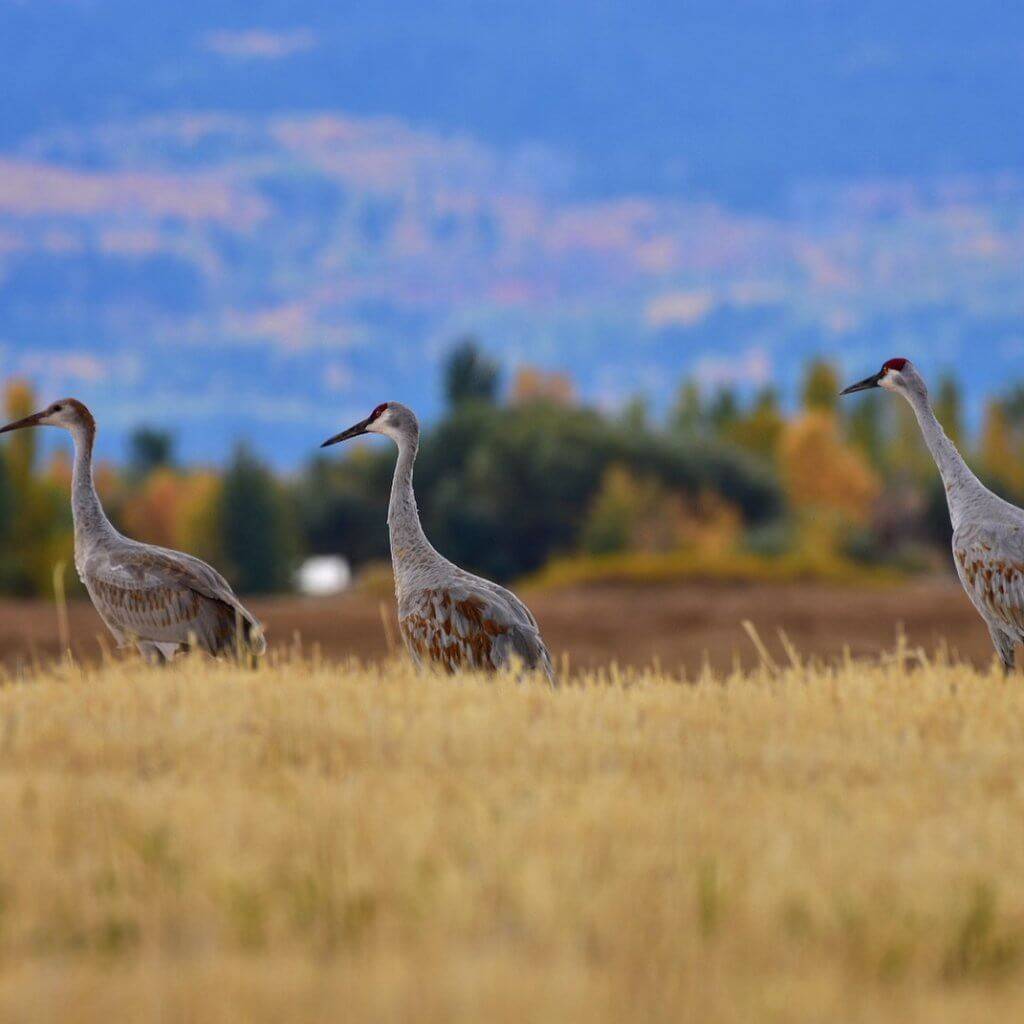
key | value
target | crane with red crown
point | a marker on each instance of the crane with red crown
(448, 617)
(988, 532)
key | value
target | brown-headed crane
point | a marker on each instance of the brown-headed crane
(159, 600)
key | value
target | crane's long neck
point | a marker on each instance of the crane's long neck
(91, 521)
(961, 484)
(410, 548)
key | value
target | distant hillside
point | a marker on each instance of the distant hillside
(205, 222)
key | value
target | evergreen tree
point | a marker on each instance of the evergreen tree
(724, 412)
(907, 455)
(635, 415)
(759, 429)
(949, 408)
(1013, 407)
(469, 375)
(149, 449)
(687, 416)
(867, 427)
(258, 539)
(821, 387)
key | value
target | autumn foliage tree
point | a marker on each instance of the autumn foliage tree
(823, 474)
(38, 533)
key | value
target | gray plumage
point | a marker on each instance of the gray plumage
(159, 600)
(447, 616)
(988, 532)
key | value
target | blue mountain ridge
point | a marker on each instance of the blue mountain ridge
(260, 220)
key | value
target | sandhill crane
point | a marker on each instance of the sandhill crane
(161, 601)
(988, 532)
(447, 616)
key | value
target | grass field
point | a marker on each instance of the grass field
(316, 842)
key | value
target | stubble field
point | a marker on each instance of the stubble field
(324, 841)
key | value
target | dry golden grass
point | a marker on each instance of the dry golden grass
(323, 843)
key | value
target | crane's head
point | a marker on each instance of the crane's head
(68, 413)
(393, 419)
(897, 375)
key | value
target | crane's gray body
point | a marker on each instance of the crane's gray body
(163, 601)
(447, 616)
(988, 532)
(159, 600)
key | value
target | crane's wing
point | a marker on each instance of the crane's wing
(167, 596)
(990, 562)
(472, 623)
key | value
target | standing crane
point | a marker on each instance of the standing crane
(446, 615)
(988, 532)
(161, 601)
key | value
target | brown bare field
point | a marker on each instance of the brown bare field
(678, 626)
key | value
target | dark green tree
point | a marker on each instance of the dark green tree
(469, 375)
(259, 541)
(724, 412)
(149, 449)
(949, 407)
(636, 414)
(687, 416)
(868, 426)
(341, 501)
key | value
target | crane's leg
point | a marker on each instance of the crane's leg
(151, 653)
(1005, 648)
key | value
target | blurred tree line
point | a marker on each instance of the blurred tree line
(514, 475)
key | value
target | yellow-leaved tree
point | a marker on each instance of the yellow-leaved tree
(631, 513)
(39, 534)
(829, 482)
(151, 513)
(1002, 452)
(199, 528)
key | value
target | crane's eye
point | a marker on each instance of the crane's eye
(57, 408)
(379, 411)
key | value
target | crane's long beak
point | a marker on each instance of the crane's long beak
(864, 385)
(356, 431)
(29, 421)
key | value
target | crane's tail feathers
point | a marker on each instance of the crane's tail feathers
(246, 639)
(256, 639)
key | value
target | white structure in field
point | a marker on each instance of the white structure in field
(323, 576)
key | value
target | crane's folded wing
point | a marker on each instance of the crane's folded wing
(472, 623)
(149, 590)
(990, 562)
